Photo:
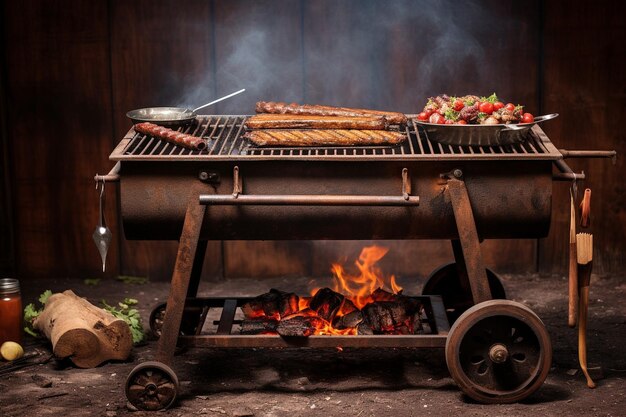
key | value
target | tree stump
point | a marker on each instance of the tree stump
(86, 334)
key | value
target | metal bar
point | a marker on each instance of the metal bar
(275, 341)
(180, 279)
(227, 317)
(469, 240)
(310, 200)
(566, 173)
(112, 176)
(588, 154)
(440, 318)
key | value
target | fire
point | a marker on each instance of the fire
(358, 288)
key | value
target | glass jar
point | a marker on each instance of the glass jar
(10, 311)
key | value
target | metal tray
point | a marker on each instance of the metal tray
(481, 135)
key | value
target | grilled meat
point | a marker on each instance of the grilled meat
(323, 137)
(290, 121)
(177, 138)
(469, 113)
(317, 110)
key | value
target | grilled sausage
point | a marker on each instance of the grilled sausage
(172, 136)
(323, 137)
(291, 121)
(316, 110)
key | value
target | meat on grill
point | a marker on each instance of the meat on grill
(317, 110)
(323, 137)
(177, 138)
(292, 121)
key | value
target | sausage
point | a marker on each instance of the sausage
(290, 121)
(316, 110)
(172, 136)
(323, 137)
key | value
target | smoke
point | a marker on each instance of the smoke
(378, 54)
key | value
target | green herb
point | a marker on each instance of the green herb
(129, 315)
(491, 99)
(31, 313)
(451, 114)
(518, 109)
(128, 279)
(91, 281)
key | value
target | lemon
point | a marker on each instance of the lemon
(11, 351)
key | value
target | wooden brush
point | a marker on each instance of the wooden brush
(573, 267)
(584, 248)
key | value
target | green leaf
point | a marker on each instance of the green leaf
(43, 298)
(30, 331)
(128, 279)
(130, 315)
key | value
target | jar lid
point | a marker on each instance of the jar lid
(9, 285)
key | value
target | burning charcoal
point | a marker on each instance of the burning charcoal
(347, 307)
(349, 320)
(261, 325)
(417, 324)
(382, 295)
(274, 304)
(326, 303)
(364, 329)
(299, 325)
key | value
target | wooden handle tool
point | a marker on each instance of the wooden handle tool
(573, 267)
(584, 246)
(585, 209)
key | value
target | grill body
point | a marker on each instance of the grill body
(510, 187)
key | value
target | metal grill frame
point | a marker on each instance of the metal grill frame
(224, 135)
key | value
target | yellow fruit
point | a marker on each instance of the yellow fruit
(11, 351)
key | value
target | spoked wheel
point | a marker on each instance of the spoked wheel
(498, 352)
(188, 326)
(151, 386)
(445, 282)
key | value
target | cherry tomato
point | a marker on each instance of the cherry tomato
(510, 106)
(437, 118)
(449, 122)
(498, 105)
(462, 122)
(423, 116)
(527, 118)
(486, 107)
(458, 105)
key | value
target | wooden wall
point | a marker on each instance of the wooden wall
(71, 70)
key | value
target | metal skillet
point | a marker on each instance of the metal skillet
(171, 117)
(481, 135)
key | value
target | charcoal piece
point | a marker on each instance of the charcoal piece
(326, 303)
(261, 325)
(364, 329)
(348, 321)
(347, 307)
(387, 317)
(275, 304)
(381, 295)
(299, 325)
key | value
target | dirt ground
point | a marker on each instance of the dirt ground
(307, 382)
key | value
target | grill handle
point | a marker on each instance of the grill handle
(590, 154)
(112, 176)
(308, 200)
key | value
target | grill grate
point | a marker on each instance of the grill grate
(224, 135)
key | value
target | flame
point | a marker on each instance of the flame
(358, 288)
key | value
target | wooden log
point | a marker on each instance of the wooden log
(261, 325)
(299, 325)
(326, 303)
(86, 334)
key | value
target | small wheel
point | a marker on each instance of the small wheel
(444, 281)
(188, 326)
(498, 352)
(151, 386)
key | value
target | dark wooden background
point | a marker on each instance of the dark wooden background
(70, 71)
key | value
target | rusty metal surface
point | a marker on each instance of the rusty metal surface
(224, 136)
(180, 279)
(468, 237)
(510, 199)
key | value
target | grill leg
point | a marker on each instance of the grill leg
(470, 245)
(179, 287)
(196, 270)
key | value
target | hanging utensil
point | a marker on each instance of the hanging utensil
(172, 116)
(573, 266)
(102, 235)
(584, 248)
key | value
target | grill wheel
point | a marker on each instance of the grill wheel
(444, 281)
(152, 386)
(498, 352)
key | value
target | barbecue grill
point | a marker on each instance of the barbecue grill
(496, 350)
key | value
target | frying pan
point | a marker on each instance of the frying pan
(171, 116)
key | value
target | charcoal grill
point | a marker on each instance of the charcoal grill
(496, 350)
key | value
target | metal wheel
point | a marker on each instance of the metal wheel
(444, 281)
(498, 352)
(188, 326)
(151, 386)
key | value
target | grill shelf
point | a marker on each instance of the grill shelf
(224, 135)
